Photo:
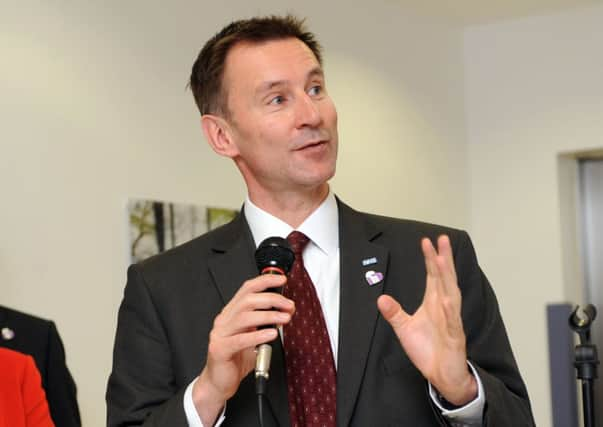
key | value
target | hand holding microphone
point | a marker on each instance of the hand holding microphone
(273, 256)
(242, 325)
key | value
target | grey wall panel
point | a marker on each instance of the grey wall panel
(561, 357)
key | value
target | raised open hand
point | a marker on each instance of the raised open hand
(433, 337)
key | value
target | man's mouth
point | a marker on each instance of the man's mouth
(312, 144)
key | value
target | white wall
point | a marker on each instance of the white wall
(533, 90)
(94, 110)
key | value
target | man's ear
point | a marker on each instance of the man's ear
(219, 136)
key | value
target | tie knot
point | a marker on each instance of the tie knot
(298, 241)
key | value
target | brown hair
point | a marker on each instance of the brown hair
(208, 70)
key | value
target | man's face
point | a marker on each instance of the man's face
(282, 121)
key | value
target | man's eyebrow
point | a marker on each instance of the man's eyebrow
(269, 85)
(316, 72)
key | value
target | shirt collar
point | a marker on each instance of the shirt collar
(322, 226)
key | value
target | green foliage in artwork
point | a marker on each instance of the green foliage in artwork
(141, 218)
(219, 216)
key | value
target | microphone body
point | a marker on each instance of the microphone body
(273, 256)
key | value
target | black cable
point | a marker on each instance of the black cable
(273, 256)
(260, 389)
(260, 409)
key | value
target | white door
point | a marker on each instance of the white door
(591, 180)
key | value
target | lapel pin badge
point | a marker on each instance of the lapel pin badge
(373, 277)
(369, 261)
(7, 334)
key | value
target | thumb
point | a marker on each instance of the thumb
(392, 311)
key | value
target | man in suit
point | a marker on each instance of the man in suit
(191, 318)
(40, 339)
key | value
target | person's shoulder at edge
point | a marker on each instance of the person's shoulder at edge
(21, 389)
(19, 316)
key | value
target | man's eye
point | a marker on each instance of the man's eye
(315, 90)
(277, 100)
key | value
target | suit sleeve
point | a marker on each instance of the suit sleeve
(35, 405)
(488, 347)
(141, 388)
(60, 387)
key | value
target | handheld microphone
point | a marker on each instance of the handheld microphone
(273, 256)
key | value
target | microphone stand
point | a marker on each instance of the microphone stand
(586, 360)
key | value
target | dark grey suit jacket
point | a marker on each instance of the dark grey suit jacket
(170, 302)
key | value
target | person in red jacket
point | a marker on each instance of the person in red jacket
(22, 398)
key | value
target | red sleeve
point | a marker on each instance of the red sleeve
(34, 398)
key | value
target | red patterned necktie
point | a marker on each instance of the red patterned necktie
(311, 376)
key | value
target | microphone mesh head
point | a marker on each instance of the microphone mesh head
(274, 252)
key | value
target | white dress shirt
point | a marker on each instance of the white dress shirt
(321, 259)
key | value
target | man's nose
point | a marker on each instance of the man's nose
(307, 112)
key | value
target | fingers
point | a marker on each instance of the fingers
(445, 264)
(260, 284)
(441, 273)
(236, 333)
(255, 294)
(225, 348)
(253, 319)
(442, 289)
(253, 307)
(430, 255)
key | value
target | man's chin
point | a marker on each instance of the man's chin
(317, 179)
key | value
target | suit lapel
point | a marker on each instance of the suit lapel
(358, 304)
(233, 262)
(232, 265)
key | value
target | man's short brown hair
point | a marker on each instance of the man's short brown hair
(208, 70)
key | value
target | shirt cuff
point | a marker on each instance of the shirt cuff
(192, 416)
(469, 415)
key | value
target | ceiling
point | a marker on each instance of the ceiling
(476, 12)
